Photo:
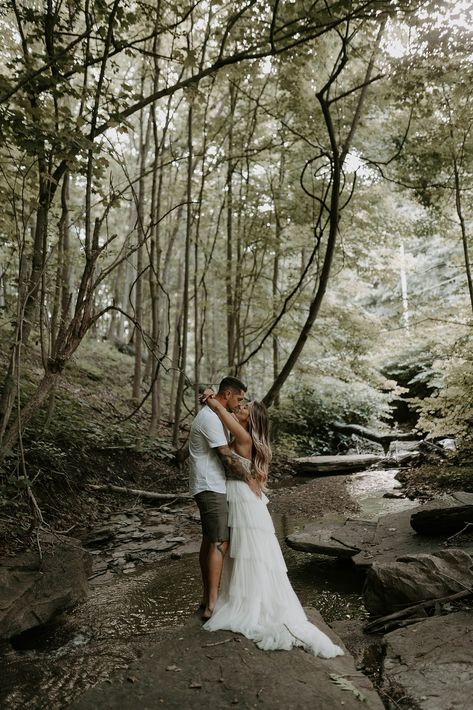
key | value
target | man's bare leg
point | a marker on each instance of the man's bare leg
(215, 564)
(204, 568)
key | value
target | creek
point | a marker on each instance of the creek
(48, 667)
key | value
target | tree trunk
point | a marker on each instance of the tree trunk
(275, 279)
(229, 281)
(185, 295)
(458, 205)
(62, 286)
(27, 308)
(337, 157)
(155, 290)
(138, 339)
(9, 392)
(314, 308)
(24, 416)
(155, 271)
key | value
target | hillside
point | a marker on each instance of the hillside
(85, 436)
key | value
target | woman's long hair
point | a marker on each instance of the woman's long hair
(258, 428)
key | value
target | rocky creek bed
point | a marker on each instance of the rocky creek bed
(139, 616)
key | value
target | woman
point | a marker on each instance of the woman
(256, 597)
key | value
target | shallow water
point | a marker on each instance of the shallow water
(53, 665)
(368, 488)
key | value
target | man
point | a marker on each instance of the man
(211, 459)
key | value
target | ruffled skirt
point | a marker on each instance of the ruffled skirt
(256, 598)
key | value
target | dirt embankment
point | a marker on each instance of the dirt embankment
(312, 498)
(431, 479)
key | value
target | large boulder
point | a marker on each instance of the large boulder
(443, 521)
(415, 578)
(34, 590)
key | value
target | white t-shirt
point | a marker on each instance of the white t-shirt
(206, 470)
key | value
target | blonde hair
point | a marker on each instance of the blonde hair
(258, 428)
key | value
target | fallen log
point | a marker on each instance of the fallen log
(335, 464)
(137, 492)
(384, 439)
(379, 624)
(442, 521)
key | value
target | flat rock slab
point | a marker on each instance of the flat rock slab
(366, 541)
(187, 667)
(464, 497)
(343, 540)
(394, 538)
(430, 663)
(335, 464)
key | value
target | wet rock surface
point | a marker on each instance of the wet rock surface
(34, 589)
(187, 667)
(429, 665)
(366, 542)
(343, 540)
(366, 649)
(311, 497)
(141, 535)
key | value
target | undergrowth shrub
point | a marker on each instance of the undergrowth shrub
(303, 424)
(449, 412)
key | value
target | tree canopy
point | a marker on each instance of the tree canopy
(274, 189)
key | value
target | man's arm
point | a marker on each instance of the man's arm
(232, 463)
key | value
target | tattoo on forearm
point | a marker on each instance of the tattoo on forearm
(232, 464)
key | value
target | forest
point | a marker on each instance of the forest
(275, 190)
(278, 190)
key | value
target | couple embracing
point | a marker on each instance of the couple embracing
(246, 588)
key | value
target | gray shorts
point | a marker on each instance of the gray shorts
(213, 509)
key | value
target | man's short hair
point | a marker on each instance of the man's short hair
(231, 383)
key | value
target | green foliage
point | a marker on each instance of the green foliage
(263, 139)
(450, 411)
(413, 369)
(83, 436)
(303, 424)
(87, 413)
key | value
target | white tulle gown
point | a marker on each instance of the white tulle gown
(256, 598)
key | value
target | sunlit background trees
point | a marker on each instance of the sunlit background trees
(279, 190)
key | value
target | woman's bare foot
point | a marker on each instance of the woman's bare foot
(207, 613)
